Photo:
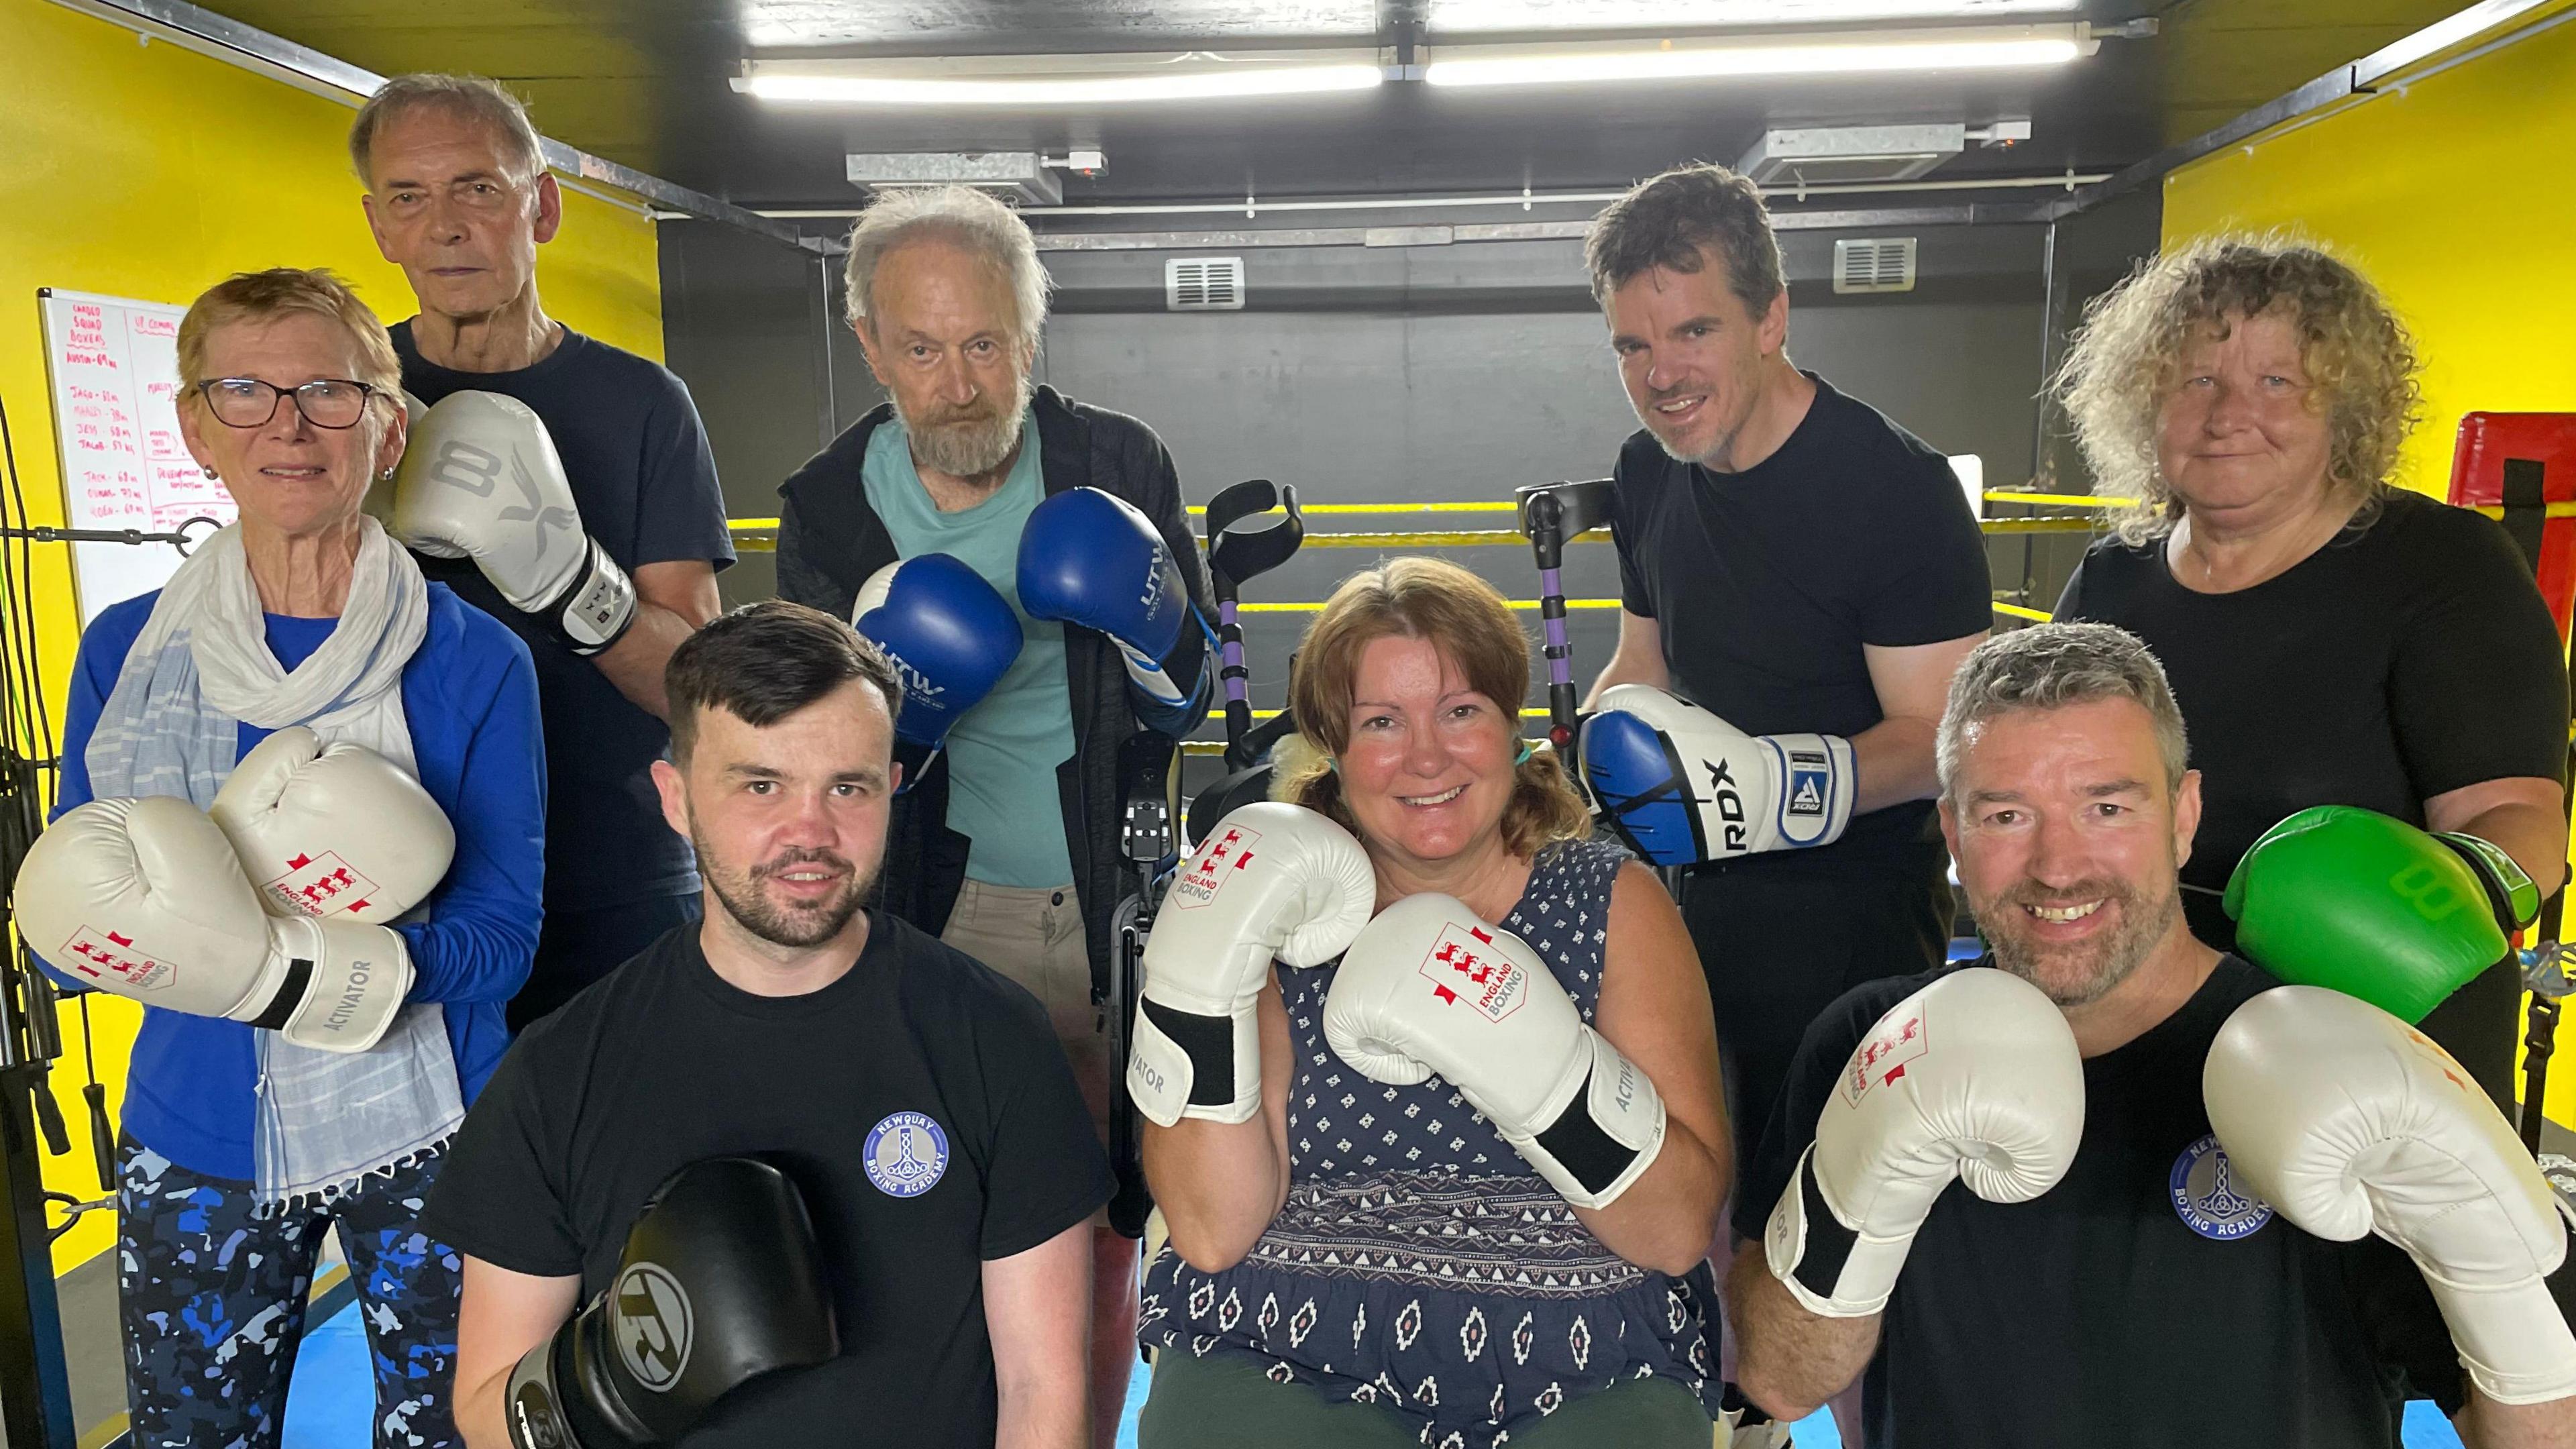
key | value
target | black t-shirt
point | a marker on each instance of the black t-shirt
(641, 472)
(2405, 658)
(2096, 1313)
(664, 1064)
(1767, 582)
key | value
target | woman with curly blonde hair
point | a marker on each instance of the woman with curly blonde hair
(2332, 639)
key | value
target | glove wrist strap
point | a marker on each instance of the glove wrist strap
(1610, 1131)
(1832, 1270)
(596, 608)
(2511, 1338)
(1186, 1064)
(2510, 892)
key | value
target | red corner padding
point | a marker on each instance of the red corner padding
(2523, 462)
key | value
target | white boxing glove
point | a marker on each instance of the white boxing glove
(480, 479)
(2350, 1122)
(1682, 786)
(1272, 881)
(1975, 1077)
(144, 899)
(1430, 987)
(335, 831)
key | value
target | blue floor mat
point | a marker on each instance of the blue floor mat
(332, 1401)
(334, 1397)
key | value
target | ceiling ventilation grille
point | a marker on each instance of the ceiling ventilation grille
(1874, 264)
(1203, 284)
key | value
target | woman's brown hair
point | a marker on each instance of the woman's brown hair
(1473, 628)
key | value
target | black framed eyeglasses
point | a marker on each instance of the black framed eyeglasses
(247, 402)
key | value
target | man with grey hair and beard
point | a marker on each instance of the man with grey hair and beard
(2112, 1273)
(1027, 561)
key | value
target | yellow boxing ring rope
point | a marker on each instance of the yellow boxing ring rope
(760, 535)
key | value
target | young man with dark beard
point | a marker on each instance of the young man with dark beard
(1026, 561)
(913, 1097)
(2130, 1261)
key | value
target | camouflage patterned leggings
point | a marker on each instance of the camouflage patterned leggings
(212, 1300)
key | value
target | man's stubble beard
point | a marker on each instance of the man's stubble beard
(740, 895)
(2105, 962)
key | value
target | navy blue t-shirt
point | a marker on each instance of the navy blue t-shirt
(637, 458)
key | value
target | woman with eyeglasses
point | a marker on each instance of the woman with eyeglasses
(241, 1143)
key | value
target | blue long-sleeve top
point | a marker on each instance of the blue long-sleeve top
(470, 698)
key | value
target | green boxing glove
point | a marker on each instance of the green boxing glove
(2348, 898)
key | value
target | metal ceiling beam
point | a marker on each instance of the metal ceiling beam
(222, 38)
(1968, 214)
(2354, 78)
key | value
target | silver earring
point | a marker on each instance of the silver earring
(211, 473)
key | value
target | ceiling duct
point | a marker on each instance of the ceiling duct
(1874, 264)
(1826, 155)
(1020, 177)
(1203, 284)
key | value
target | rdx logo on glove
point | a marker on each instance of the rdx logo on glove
(1729, 801)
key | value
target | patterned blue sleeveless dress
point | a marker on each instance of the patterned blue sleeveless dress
(1418, 1263)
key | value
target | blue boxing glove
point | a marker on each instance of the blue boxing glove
(950, 636)
(1679, 785)
(1093, 559)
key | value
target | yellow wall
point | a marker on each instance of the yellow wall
(2452, 192)
(147, 171)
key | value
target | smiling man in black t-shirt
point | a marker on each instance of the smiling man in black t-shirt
(2109, 1271)
(1807, 574)
(915, 1099)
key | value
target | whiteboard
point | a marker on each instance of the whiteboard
(114, 367)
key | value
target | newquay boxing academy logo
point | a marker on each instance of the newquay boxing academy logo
(1461, 966)
(906, 1154)
(655, 1326)
(2207, 1198)
(1201, 879)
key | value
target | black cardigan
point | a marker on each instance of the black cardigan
(829, 543)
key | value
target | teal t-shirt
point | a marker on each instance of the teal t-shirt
(1002, 753)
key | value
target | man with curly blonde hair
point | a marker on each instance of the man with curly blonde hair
(2334, 640)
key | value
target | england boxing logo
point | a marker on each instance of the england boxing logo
(2207, 1198)
(320, 885)
(1198, 882)
(655, 1326)
(99, 955)
(1461, 966)
(906, 1154)
(1881, 1059)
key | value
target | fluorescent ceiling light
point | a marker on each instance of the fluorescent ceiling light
(1454, 16)
(1106, 79)
(1879, 52)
